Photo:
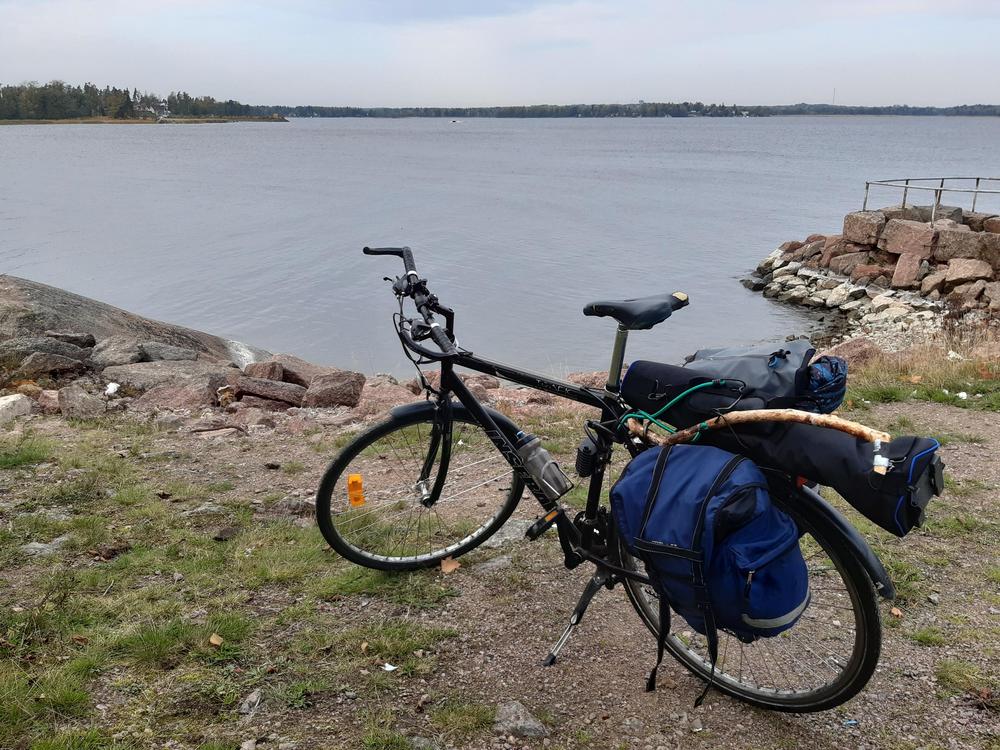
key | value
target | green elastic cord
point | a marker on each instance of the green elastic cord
(644, 416)
(653, 417)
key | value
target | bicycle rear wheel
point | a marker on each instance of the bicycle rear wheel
(821, 662)
(372, 505)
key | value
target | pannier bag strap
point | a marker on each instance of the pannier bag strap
(661, 640)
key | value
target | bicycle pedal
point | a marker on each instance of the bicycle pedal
(543, 524)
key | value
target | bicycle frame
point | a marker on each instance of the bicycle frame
(575, 540)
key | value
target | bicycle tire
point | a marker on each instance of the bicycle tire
(338, 540)
(867, 631)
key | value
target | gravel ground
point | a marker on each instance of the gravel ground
(315, 657)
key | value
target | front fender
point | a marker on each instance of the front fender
(876, 571)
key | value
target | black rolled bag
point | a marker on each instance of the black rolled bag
(715, 382)
(895, 500)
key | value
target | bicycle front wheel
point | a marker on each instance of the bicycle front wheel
(824, 660)
(377, 504)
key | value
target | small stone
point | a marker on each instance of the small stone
(77, 403)
(39, 549)
(248, 745)
(514, 720)
(495, 564)
(251, 703)
(205, 509)
(934, 598)
(13, 406)
(225, 534)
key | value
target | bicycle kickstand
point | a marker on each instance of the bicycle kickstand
(598, 581)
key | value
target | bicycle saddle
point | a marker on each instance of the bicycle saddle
(639, 314)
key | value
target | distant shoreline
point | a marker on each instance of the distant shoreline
(147, 121)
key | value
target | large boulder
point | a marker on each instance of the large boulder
(154, 351)
(908, 271)
(297, 370)
(961, 270)
(991, 249)
(82, 340)
(863, 227)
(28, 308)
(846, 263)
(115, 350)
(955, 213)
(13, 406)
(290, 393)
(992, 224)
(955, 243)
(41, 364)
(904, 236)
(933, 282)
(341, 388)
(141, 376)
(16, 350)
(188, 397)
(269, 370)
(977, 219)
(77, 403)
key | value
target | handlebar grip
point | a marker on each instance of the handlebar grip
(400, 252)
(408, 263)
(442, 340)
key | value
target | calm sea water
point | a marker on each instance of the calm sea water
(254, 230)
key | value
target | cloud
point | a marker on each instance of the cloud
(413, 52)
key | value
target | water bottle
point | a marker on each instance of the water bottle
(542, 467)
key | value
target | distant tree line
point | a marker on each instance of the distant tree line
(59, 101)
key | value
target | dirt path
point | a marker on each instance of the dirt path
(106, 640)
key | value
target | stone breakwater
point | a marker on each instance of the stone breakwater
(893, 273)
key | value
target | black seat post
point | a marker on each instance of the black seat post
(617, 359)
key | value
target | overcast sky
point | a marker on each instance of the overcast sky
(481, 52)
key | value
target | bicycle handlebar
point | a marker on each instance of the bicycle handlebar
(416, 289)
(400, 252)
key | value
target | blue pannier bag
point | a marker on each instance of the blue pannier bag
(827, 384)
(716, 549)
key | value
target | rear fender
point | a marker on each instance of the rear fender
(876, 571)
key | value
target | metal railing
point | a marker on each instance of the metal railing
(939, 186)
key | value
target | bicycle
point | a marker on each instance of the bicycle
(438, 477)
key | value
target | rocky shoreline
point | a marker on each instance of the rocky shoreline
(892, 274)
(64, 354)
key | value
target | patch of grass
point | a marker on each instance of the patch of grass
(379, 735)
(955, 526)
(78, 491)
(224, 486)
(403, 643)
(26, 451)
(993, 574)
(928, 636)
(878, 393)
(420, 589)
(159, 645)
(950, 438)
(31, 704)
(906, 577)
(956, 676)
(301, 694)
(963, 487)
(85, 740)
(461, 718)
(293, 467)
